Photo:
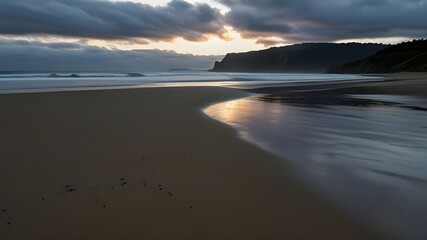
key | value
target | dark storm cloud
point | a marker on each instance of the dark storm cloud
(37, 56)
(109, 20)
(326, 20)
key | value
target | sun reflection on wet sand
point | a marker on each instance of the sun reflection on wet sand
(347, 148)
(239, 113)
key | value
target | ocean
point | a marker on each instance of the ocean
(16, 82)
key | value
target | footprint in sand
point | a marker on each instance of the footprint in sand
(123, 181)
(68, 189)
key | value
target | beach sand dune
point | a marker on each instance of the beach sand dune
(146, 164)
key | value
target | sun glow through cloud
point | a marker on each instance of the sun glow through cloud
(214, 45)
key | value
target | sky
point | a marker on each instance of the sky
(202, 28)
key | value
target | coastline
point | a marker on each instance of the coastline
(146, 163)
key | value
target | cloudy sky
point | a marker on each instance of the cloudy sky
(202, 27)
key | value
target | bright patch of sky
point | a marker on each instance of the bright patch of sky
(213, 46)
(212, 3)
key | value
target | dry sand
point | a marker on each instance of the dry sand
(146, 164)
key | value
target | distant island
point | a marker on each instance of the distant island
(305, 58)
(404, 57)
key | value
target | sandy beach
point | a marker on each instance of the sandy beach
(213, 120)
(146, 164)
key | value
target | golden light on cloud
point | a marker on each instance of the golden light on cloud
(213, 46)
(230, 41)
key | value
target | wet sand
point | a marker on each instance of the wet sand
(390, 84)
(360, 145)
(146, 164)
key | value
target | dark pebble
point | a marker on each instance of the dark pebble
(122, 179)
(8, 223)
(71, 190)
(191, 206)
(123, 183)
(170, 194)
(145, 184)
(4, 210)
(104, 206)
(42, 199)
(160, 189)
(67, 186)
